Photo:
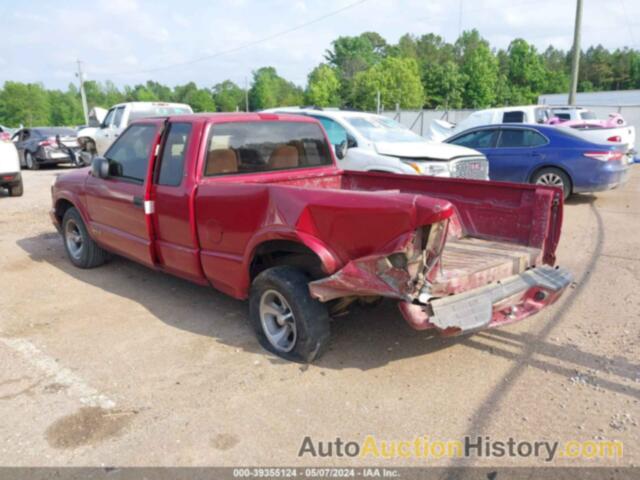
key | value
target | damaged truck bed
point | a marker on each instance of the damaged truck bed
(255, 205)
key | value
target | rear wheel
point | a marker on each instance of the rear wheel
(286, 319)
(16, 190)
(32, 163)
(553, 177)
(81, 249)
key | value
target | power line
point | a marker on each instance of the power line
(246, 45)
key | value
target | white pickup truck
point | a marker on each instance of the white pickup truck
(96, 140)
(593, 131)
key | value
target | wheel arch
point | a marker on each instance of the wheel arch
(556, 167)
(278, 252)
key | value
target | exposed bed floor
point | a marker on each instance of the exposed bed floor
(471, 262)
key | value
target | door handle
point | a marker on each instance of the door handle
(138, 202)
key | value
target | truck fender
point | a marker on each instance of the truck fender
(328, 259)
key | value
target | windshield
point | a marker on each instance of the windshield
(383, 129)
(588, 115)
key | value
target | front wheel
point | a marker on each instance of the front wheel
(81, 249)
(286, 319)
(553, 177)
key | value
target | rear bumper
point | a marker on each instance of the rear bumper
(606, 179)
(507, 301)
(52, 156)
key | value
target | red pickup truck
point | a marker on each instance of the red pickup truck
(254, 205)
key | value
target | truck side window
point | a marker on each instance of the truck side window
(173, 153)
(107, 120)
(513, 117)
(129, 155)
(118, 117)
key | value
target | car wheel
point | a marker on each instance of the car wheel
(553, 177)
(32, 163)
(286, 319)
(16, 190)
(81, 249)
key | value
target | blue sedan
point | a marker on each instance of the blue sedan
(547, 155)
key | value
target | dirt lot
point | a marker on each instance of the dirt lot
(123, 365)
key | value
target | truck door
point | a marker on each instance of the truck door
(176, 243)
(116, 205)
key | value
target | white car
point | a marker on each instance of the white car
(96, 140)
(379, 144)
(10, 177)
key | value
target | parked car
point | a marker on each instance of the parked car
(548, 155)
(596, 132)
(10, 177)
(96, 140)
(255, 205)
(380, 144)
(46, 146)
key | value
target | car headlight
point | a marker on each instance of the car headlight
(435, 169)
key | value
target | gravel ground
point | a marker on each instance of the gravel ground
(125, 366)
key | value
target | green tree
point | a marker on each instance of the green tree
(443, 85)
(228, 96)
(24, 103)
(556, 63)
(66, 108)
(596, 68)
(525, 72)
(200, 100)
(352, 55)
(270, 90)
(323, 87)
(140, 93)
(397, 80)
(479, 67)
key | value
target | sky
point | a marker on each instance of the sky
(131, 41)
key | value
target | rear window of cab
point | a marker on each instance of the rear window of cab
(262, 146)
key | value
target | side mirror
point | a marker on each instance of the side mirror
(351, 142)
(100, 167)
(341, 150)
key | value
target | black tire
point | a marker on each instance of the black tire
(310, 317)
(16, 190)
(30, 161)
(86, 254)
(548, 176)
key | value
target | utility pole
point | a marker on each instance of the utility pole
(460, 18)
(246, 94)
(575, 60)
(85, 109)
(378, 102)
